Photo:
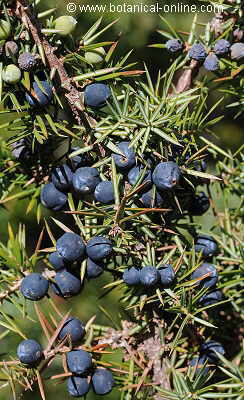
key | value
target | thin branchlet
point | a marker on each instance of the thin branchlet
(24, 12)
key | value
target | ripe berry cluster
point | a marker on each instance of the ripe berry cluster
(84, 373)
(209, 57)
(205, 276)
(82, 181)
(207, 247)
(150, 276)
(79, 362)
(70, 248)
(158, 180)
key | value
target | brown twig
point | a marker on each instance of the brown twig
(146, 352)
(24, 13)
(11, 290)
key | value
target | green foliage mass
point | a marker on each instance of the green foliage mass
(147, 337)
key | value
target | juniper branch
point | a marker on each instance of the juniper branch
(73, 95)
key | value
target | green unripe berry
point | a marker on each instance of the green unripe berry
(5, 29)
(11, 74)
(95, 56)
(66, 24)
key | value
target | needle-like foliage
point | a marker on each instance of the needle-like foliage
(178, 332)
